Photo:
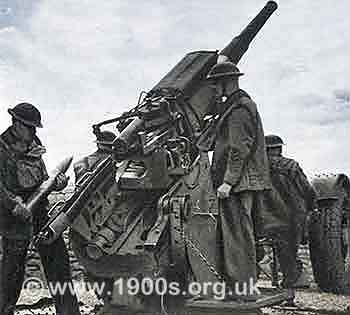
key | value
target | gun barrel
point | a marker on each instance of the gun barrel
(123, 143)
(240, 44)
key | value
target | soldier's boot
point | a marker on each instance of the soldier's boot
(289, 302)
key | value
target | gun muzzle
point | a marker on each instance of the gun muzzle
(240, 44)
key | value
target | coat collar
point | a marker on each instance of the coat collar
(17, 145)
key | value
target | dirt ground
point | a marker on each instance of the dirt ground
(309, 301)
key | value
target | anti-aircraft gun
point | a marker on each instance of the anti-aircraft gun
(151, 212)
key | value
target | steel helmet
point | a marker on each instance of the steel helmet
(273, 141)
(223, 69)
(105, 137)
(27, 113)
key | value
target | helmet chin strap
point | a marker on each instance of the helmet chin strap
(224, 93)
(223, 96)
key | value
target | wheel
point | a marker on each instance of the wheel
(327, 248)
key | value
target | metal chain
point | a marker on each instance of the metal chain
(211, 268)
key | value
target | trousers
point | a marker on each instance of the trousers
(287, 253)
(236, 254)
(55, 261)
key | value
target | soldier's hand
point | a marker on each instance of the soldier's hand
(224, 191)
(61, 182)
(21, 210)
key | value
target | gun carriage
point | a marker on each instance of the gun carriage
(148, 209)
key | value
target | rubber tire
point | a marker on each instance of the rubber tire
(326, 249)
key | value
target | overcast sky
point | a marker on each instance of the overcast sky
(85, 61)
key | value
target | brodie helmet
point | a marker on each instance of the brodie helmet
(273, 141)
(27, 113)
(223, 69)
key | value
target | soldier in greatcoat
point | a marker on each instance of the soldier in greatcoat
(104, 142)
(297, 195)
(22, 171)
(240, 175)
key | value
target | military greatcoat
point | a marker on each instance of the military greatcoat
(22, 170)
(291, 186)
(240, 160)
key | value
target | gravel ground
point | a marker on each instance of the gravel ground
(314, 302)
(310, 301)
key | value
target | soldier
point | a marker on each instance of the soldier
(293, 188)
(104, 141)
(22, 170)
(240, 175)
